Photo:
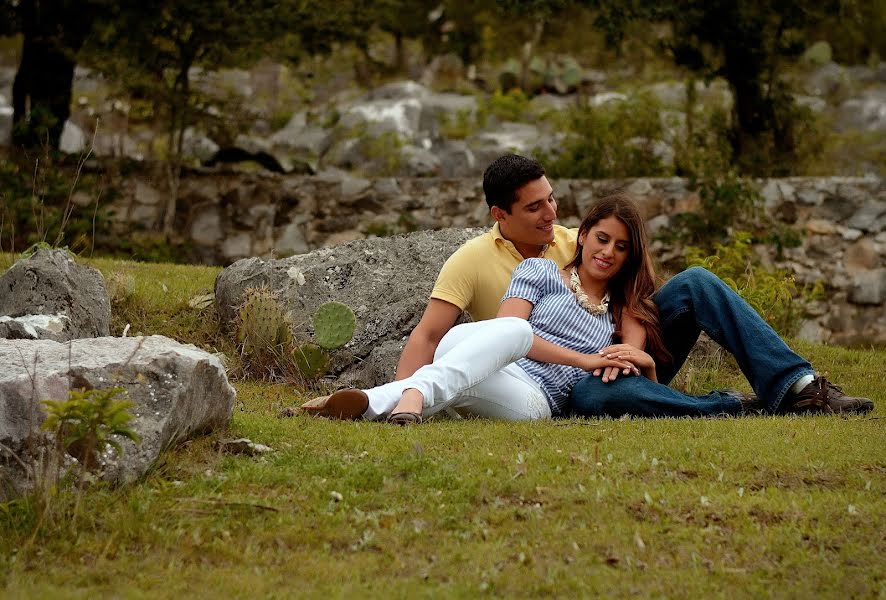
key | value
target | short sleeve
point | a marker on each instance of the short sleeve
(532, 279)
(456, 281)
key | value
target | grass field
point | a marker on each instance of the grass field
(748, 507)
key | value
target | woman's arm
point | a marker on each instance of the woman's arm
(548, 352)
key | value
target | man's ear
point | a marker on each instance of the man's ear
(497, 213)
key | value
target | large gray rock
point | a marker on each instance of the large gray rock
(51, 283)
(379, 117)
(866, 112)
(869, 287)
(386, 281)
(178, 391)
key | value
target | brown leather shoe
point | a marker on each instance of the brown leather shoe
(822, 396)
(343, 404)
(750, 404)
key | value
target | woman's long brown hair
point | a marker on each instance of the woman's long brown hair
(632, 287)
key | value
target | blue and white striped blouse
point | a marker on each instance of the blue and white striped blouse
(557, 317)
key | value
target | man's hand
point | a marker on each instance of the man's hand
(638, 359)
(596, 363)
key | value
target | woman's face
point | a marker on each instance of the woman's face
(605, 248)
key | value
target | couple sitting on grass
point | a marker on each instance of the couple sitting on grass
(579, 328)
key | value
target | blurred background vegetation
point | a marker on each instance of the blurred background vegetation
(732, 100)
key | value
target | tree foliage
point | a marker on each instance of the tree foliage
(746, 43)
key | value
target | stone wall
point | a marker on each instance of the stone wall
(226, 217)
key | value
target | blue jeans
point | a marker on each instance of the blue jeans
(693, 301)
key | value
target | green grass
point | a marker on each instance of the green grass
(759, 506)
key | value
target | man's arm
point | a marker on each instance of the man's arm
(438, 318)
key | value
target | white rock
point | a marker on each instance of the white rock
(73, 140)
(178, 391)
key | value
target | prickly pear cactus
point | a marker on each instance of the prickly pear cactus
(263, 322)
(571, 73)
(334, 325)
(310, 360)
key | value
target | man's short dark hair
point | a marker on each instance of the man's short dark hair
(505, 176)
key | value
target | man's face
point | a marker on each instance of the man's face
(530, 224)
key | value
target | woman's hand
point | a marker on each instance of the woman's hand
(630, 354)
(595, 363)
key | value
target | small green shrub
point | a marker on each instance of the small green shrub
(614, 140)
(35, 248)
(772, 292)
(88, 422)
(459, 126)
(384, 150)
(512, 105)
(725, 201)
(703, 148)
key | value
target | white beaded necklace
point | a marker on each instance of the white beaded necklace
(582, 297)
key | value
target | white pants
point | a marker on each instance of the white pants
(473, 372)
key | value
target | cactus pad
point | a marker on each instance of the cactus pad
(310, 360)
(263, 323)
(334, 325)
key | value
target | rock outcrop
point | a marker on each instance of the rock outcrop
(386, 282)
(178, 391)
(50, 296)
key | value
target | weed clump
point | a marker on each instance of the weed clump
(89, 422)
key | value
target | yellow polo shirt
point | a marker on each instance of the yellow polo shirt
(477, 275)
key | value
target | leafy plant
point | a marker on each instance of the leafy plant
(89, 422)
(512, 105)
(35, 248)
(458, 126)
(616, 139)
(384, 150)
(725, 200)
(772, 292)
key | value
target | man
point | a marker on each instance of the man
(477, 275)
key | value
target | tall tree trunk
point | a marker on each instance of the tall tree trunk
(753, 111)
(178, 122)
(54, 31)
(400, 54)
(528, 51)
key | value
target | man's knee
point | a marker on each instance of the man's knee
(695, 277)
(519, 331)
(591, 397)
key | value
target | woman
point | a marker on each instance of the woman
(549, 330)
